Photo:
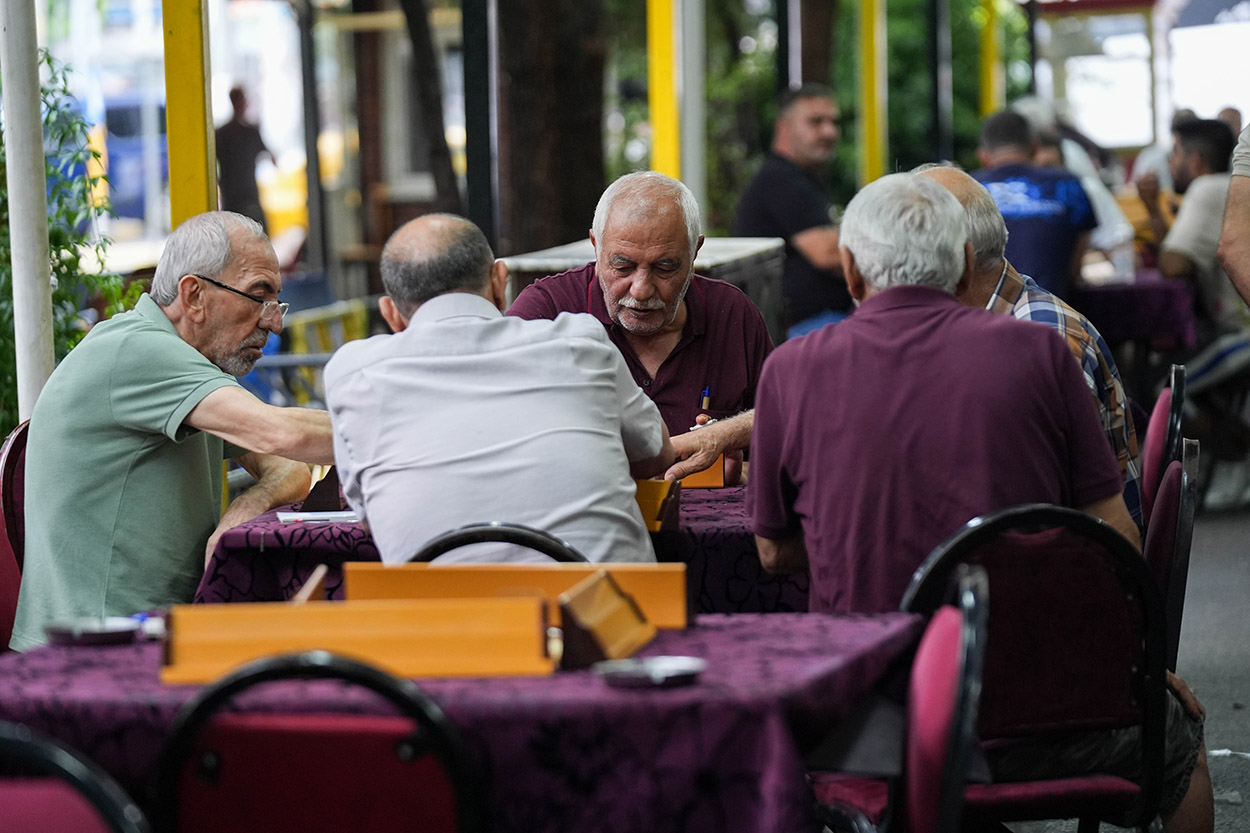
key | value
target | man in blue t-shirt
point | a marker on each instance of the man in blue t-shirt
(1048, 215)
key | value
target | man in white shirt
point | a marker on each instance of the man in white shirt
(464, 416)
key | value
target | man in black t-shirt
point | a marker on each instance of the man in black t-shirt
(786, 199)
(239, 145)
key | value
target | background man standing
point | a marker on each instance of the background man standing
(239, 145)
(787, 199)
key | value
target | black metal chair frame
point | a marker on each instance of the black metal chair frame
(30, 751)
(1176, 411)
(435, 732)
(928, 584)
(1178, 573)
(496, 531)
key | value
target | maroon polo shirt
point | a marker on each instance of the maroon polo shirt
(880, 437)
(722, 348)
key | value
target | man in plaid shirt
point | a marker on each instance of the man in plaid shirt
(999, 288)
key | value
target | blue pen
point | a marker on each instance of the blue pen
(705, 399)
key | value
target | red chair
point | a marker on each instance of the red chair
(315, 772)
(1163, 439)
(1075, 644)
(12, 526)
(58, 791)
(941, 730)
(1169, 539)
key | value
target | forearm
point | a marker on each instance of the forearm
(654, 466)
(1234, 251)
(1113, 511)
(698, 449)
(238, 417)
(782, 555)
(278, 482)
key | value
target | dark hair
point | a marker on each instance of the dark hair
(810, 89)
(1211, 139)
(1006, 129)
(458, 260)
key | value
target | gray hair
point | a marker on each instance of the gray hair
(200, 246)
(416, 268)
(987, 231)
(906, 230)
(643, 190)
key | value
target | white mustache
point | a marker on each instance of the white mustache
(643, 306)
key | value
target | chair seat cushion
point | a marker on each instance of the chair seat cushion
(867, 795)
(1102, 796)
(46, 805)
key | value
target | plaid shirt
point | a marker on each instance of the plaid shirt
(1020, 296)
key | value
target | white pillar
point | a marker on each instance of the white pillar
(692, 96)
(28, 202)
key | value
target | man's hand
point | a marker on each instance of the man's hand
(698, 449)
(1181, 689)
(1148, 191)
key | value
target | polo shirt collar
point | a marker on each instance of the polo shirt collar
(696, 307)
(454, 305)
(147, 307)
(897, 297)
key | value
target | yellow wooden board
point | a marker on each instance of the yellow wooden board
(659, 589)
(409, 638)
(658, 502)
(713, 477)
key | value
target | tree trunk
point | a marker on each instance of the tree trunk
(816, 24)
(427, 81)
(551, 167)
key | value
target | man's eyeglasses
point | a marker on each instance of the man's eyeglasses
(267, 308)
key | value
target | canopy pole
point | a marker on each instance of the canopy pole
(662, 84)
(873, 121)
(192, 145)
(27, 183)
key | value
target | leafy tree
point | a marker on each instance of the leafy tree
(74, 206)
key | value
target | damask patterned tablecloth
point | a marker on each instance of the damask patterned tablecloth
(561, 753)
(267, 560)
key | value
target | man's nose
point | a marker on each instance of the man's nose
(642, 286)
(273, 324)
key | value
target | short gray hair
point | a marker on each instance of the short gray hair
(643, 188)
(906, 230)
(414, 270)
(200, 246)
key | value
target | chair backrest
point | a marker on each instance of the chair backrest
(519, 534)
(49, 788)
(1075, 632)
(942, 707)
(315, 772)
(1176, 413)
(1169, 539)
(1153, 453)
(13, 490)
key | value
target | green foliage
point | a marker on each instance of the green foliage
(75, 249)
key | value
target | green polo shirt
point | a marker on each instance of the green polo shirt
(121, 496)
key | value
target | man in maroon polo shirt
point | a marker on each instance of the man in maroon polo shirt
(876, 439)
(695, 345)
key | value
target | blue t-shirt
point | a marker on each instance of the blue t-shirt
(1046, 210)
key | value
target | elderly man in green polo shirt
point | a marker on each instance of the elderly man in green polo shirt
(123, 466)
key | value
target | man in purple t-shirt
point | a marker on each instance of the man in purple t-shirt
(876, 439)
(693, 344)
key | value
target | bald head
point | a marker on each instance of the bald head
(434, 255)
(986, 230)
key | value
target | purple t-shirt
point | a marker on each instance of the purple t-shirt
(880, 437)
(722, 348)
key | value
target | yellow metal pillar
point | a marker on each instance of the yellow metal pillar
(993, 85)
(662, 82)
(188, 113)
(873, 121)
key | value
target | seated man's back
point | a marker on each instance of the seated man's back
(465, 416)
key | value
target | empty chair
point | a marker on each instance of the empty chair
(1163, 438)
(496, 532)
(941, 723)
(229, 771)
(1075, 645)
(58, 790)
(1169, 539)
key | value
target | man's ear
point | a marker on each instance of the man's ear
(970, 268)
(855, 282)
(499, 285)
(192, 298)
(698, 245)
(390, 314)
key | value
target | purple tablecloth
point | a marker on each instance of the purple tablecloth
(1152, 310)
(562, 753)
(266, 560)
